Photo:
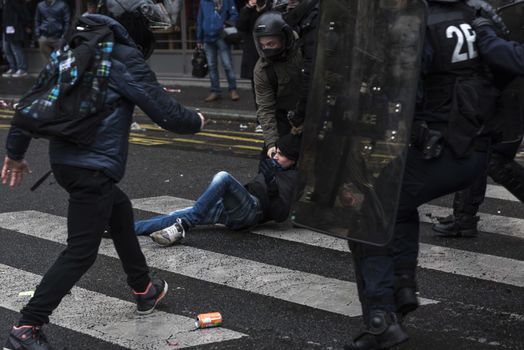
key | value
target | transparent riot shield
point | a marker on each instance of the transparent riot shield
(513, 17)
(359, 114)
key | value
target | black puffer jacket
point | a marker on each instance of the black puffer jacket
(131, 83)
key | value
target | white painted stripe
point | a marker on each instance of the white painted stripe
(499, 192)
(470, 264)
(502, 225)
(482, 266)
(307, 289)
(111, 319)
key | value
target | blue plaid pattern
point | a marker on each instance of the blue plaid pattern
(62, 67)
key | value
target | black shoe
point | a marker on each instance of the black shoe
(147, 300)
(460, 226)
(27, 338)
(405, 294)
(384, 331)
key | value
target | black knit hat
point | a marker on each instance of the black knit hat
(289, 145)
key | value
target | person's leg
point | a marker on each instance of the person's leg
(121, 224)
(241, 209)
(208, 208)
(148, 226)
(423, 181)
(212, 63)
(227, 63)
(20, 56)
(90, 201)
(45, 48)
(8, 52)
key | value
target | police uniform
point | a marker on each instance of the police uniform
(455, 97)
(506, 58)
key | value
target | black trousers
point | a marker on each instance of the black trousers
(468, 201)
(95, 203)
(380, 269)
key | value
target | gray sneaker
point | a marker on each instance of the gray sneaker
(170, 235)
(9, 73)
(19, 73)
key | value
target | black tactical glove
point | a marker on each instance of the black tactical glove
(482, 21)
(267, 168)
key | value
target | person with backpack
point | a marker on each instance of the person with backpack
(90, 172)
(277, 76)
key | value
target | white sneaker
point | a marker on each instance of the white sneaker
(259, 129)
(9, 73)
(170, 235)
(19, 73)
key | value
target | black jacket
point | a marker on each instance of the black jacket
(52, 20)
(15, 14)
(275, 201)
(246, 22)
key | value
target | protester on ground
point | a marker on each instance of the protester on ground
(90, 174)
(268, 196)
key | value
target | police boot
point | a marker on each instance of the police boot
(457, 226)
(384, 331)
(405, 294)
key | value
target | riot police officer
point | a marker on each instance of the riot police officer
(456, 97)
(506, 58)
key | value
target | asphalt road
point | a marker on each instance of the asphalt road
(276, 287)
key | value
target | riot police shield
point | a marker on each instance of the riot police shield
(513, 17)
(359, 115)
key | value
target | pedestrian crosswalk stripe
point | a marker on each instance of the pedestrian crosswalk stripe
(465, 263)
(502, 225)
(111, 319)
(298, 287)
(499, 192)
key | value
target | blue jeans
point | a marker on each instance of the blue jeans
(225, 201)
(212, 50)
(15, 55)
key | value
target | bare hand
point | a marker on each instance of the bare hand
(13, 171)
(271, 151)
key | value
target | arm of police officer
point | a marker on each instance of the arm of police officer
(266, 112)
(497, 52)
(139, 85)
(15, 167)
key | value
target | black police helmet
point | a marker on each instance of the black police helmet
(273, 24)
(138, 17)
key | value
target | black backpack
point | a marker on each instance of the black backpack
(67, 100)
(199, 62)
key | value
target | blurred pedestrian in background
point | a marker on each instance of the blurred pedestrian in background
(52, 19)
